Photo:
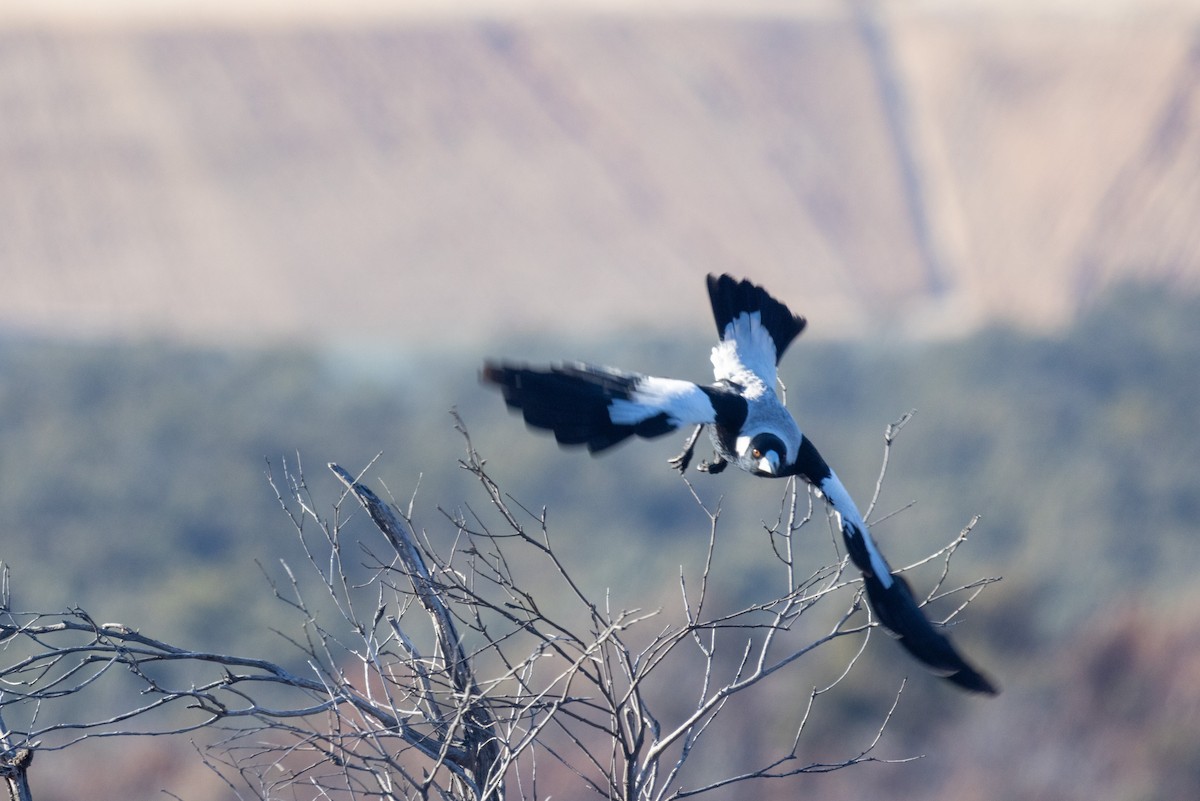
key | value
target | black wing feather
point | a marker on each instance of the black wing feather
(899, 612)
(894, 606)
(572, 400)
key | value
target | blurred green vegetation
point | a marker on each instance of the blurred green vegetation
(133, 476)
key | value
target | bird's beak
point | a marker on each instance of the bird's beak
(769, 463)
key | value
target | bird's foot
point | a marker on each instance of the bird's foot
(681, 461)
(684, 458)
(712, 468)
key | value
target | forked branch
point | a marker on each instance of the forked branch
(470, 663)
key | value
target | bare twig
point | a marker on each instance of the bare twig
(433, 666)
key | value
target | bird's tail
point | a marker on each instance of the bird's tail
(731, 299)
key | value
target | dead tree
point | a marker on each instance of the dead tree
(441, 673)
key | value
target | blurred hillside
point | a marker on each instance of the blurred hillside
(921, 168)
(313, 229)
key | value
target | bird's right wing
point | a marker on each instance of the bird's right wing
(599, 406)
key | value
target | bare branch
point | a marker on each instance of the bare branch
(430, 665)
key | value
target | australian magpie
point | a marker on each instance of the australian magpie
(600, 407)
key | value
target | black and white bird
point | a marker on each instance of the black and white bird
(600, 407)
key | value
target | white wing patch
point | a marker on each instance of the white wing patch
(843, 506)
(683, 402)
(745, 345)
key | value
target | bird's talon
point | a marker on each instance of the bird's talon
(601, 407)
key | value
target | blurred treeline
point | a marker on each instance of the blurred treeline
(132, 483)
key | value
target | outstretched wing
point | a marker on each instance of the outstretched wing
(889, 595)
(599, 406)
(755, 329)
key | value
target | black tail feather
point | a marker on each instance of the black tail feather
(897, 610)
(731, 298)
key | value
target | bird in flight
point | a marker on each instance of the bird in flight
(750, 428)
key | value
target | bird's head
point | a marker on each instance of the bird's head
(764, 454)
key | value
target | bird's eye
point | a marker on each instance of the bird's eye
(756, 453)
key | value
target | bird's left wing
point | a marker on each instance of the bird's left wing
(889, 594)
(599, 406)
